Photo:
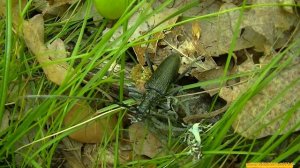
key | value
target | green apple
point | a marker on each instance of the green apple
(111, 9)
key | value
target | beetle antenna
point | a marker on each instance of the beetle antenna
(188, 69)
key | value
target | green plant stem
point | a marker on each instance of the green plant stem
(8, 43)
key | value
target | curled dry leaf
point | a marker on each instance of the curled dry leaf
(140, 76)
(93, 132)
(144, 141)
(140, 50)
(56, 71)
(48, 56)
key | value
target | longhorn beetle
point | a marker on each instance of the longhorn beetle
(159, 83)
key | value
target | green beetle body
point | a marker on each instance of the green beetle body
(159, 83)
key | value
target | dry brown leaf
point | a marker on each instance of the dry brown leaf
(147, 24)
(34, 34)
(48, 57)
(217, 33)
(248, 125)
(16, 11)
(53, 7)
(72, 153)
(91, 155)
(31, 135)
(210, 75)
(258, 28)
(61, 2)
(245, 123)
(181, 40)
(140, 52)
(271, 22)
(254, 39)
(81, 12)
(92, 132)
(5, 121)
(267, 27)
(62, 9)
(287, 8)
(231, 93)
(58, 50)
(144, 141)
(157, 36)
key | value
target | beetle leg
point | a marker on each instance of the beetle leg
(174, 91)
(149, 62)
(135, 94)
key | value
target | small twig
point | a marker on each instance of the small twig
(165, 127)
(198, 117)
(210, 90)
